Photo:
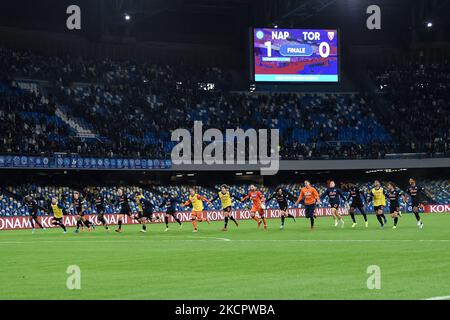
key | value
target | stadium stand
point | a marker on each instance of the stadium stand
(119, 108)
(410, 92)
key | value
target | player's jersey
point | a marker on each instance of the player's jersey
(309, 194)
(334, 195)
(57, 211)
(196, 201)
(225, 199)
(99, 203)
(393, 197)
(123, 203)
(144, 204)
(282, 199)
(415, 192)
(78, 204)
(355, 195)
(32, 206)
(379, 199)
(256, 197)
(170, 203)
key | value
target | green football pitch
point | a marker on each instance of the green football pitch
(242, 263)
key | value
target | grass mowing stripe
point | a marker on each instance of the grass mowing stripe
(237, 240)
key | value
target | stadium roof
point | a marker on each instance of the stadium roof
(227, 21)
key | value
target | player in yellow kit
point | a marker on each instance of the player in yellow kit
(196, 201)
(377, 193)
(57, 214)
(225, 199)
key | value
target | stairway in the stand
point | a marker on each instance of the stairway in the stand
(82, 130)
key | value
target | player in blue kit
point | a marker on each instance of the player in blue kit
(394, 206)
(416, 193)
(334, 195)
(171, 209)
(357, 198)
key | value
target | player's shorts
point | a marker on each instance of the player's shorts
(57, 219)
(283, 206)
(34, 215)
(171, 211)
(126, 211)
(258, 209)
(334, 205)
(356, 204)
(227, 209)
(145, 214)
(81, 214)
(196, 214)
(376, 208)
(394, 208)
(416, 203)
(309, 210)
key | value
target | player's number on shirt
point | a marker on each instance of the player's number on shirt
(268, 45)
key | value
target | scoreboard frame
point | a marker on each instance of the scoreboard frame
(287, 83)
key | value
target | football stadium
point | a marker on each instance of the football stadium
(224, 150)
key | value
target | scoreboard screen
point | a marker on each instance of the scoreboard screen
(295, 55)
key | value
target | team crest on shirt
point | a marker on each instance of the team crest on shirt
(331, 35)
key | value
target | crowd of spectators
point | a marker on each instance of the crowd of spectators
(133, 107)
(417, 101)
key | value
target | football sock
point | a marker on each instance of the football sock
(166, 220)
(282, 220)
(380, 220)
(364, 215)
(38, 223)
(416, 214)
(226, 221)
(352, 215)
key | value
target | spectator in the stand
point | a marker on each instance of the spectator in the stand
(134, 107)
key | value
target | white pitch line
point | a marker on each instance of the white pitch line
(213, 238)
(439, 298)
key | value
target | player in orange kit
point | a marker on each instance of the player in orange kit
(311, 198)
(258, 205)
(196, 201)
